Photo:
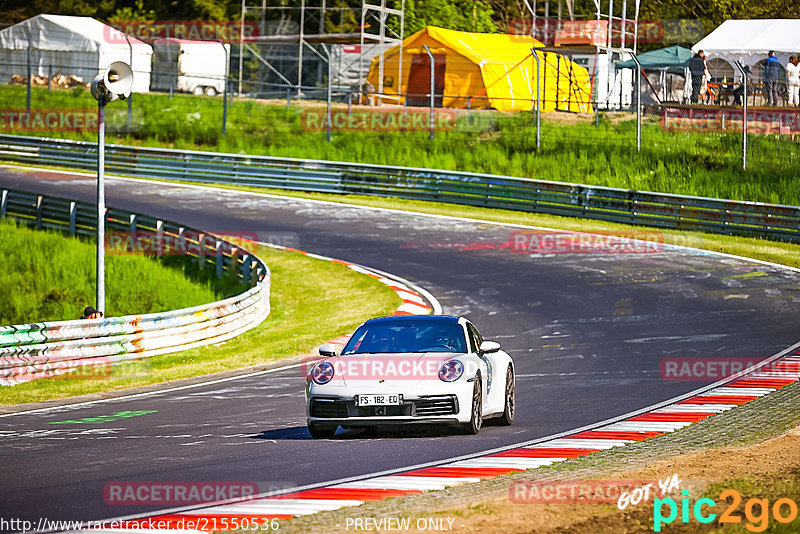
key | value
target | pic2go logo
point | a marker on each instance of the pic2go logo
(756, 511)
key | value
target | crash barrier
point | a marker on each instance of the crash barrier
(573, 200)
(53, 349)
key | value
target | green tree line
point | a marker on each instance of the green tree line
(344, 16)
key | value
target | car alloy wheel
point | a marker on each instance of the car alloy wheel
(510, 404)
(476, 418)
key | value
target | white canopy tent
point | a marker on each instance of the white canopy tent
(749, 41)
(61, 44)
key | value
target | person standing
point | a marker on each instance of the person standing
(793, 80)
(697, 70)
(772, 72)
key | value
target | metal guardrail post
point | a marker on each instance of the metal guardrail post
(181, 238)
(538, 101)
(159, 238)
(218, 257)
(39, 208)
(245, 268)
(432, 88)
(201, 251)
(73, 217)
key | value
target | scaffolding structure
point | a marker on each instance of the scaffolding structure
(348, 32)
(609, 36)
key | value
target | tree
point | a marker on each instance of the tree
(463, 15)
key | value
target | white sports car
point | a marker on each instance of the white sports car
(410, 369)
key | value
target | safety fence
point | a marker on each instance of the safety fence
(52, 349)
(660, 210)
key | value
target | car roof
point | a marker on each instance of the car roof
(435, 319)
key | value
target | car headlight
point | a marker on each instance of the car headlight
(322, 373)
(451, 371)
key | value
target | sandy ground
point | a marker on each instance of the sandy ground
(773, 459)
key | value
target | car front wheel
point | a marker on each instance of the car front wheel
(321, 430)
(510, 401)
(476, 416)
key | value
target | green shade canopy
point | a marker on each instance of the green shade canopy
(673, 58)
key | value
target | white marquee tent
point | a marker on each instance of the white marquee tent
(61, 44)
(749, 41)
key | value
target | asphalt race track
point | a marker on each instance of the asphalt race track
(588, 333)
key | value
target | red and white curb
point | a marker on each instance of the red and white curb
(747, 386)
(416, 301)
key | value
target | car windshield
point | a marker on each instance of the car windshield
(406, 336)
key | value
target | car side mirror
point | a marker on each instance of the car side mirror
(328, 349)
(488, 347)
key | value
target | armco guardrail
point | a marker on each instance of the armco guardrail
(575, 200)
(54, 348)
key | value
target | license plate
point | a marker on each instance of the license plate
(379, 400)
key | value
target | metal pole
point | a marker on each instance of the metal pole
(241, 43)
(638, 103)
(225, 89)
(744, 115)
(538, 102)
(28, 70)
(328, 112)
(130, 97)
(433, 72)
(100, 304)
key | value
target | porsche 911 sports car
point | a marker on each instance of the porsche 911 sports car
(410, 369)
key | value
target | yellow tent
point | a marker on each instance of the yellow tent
(480, 70)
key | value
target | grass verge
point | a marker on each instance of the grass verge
(308, 308)
(51, 276)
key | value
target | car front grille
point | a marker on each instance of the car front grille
(440, 405)
(329, 408)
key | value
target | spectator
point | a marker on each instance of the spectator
(697, 69)
(772, 72)
(91, 313)
(793, 80)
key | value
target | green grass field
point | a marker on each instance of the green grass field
(48, 276)
(302, 317)
(573, 148)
